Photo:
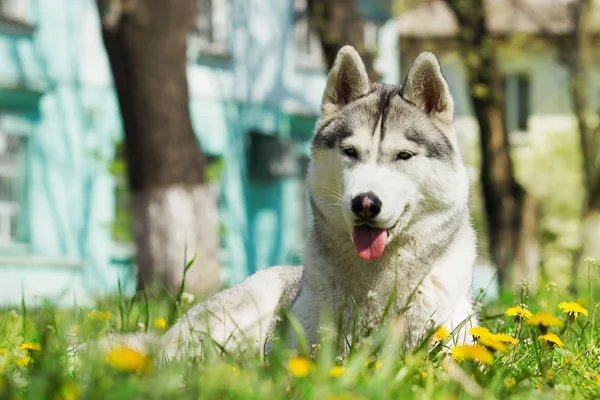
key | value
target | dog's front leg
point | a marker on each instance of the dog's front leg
(236, 319)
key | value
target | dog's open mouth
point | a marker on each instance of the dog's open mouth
(369, 241)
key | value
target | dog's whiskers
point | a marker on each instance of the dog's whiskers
(333, 196)
(333, 204)
(335, 192)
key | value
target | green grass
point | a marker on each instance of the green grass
(378, 368)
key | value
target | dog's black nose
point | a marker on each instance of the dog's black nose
(366, 205)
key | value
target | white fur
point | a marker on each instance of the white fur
(419, 196)
(431, 246)
(237, 318)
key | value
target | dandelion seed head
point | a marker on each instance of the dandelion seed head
(591, 262)
(551, 286)
(187, 297)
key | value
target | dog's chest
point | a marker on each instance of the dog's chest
(374, 308)
(364, 312)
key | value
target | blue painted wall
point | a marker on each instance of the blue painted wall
(56, 90)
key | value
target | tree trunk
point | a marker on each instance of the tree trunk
(528, 260)
(167, 222)
(572, 55)
(573, 58)
(591, 215)
(591, 238)
(173, 207)
(504, 198)
(339, 23)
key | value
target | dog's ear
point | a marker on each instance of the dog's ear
(426, 88)
(347, 81)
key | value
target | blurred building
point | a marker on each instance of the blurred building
(528, 34)
(256, 76)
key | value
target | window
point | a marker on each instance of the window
(210, 32)
(516, 93)
(269, 156)
(12, 150)
(13, 9)
(309, 53)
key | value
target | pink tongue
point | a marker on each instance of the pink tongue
(369, 242)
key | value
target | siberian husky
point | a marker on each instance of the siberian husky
(390, 209)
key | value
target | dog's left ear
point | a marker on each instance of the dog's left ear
(347, 81)
(426, 87)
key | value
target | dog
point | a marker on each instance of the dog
(390, 209)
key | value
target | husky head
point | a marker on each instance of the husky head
(384, 157)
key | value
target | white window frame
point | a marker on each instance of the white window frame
(214, 38)
(309, 53)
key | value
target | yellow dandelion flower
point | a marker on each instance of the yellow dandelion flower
(235, 370)
(336, 371)
(519, 312)
(300, 366)
(344, 397)
(551, 339)
(441, 334)
(23, 361)
(590, 375)
(31, 346)
(99, 315)
(160, 323)
(70, 391)
(373, 364)
(593, 377)
(538, 385)
(479, 332)
(129, 360)
(567, 360)
(572, 309)
(477, 353)
(544, 319)
(492, 344)
(510, 382)
(503, 337)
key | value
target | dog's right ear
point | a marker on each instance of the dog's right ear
(426, 87)
(347, 81)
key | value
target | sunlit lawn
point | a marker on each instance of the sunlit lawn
(529, 347)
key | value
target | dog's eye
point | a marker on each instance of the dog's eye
(404, 155)
(350, 152)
